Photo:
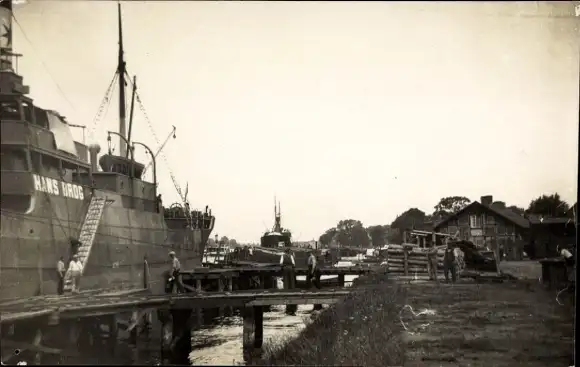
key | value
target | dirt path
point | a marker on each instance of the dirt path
(488, 325)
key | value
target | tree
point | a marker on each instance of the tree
(350, 232)
(451, 205)
(378, 235)
(326, 238)
(516, 209)
(232, 242)
(224, 240)
(548, 205)
(409, 219)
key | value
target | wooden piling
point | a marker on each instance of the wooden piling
(341, 281)
(133, 333)
(113, 333)
(253, 328)
(181, 344)
(221, 284)
(37, 341)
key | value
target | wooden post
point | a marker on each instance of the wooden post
(145, 273)
(406, 260)
(259, 326)
(113, 333)
(181, 337)
(221, 289)
(73, 331)
(134, 321)
(253, 329)
(198, 285)
(230, 288)
(36, 343)
(341, 280)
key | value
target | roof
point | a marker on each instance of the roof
(550, 220)
(506, 214)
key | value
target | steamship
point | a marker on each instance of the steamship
(58, 197)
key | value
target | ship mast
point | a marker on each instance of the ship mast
(121, 71)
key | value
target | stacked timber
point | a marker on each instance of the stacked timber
(410, 258)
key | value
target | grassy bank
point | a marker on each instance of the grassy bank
(364, 329)
(489, 324)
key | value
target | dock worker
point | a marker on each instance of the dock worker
(175, 272)
(75, 267)
(313, 276)
(449, 265)
(61, 272)
(570, 263)
(289, 276)
(432, 263)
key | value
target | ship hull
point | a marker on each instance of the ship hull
(265, 255)
(33, 240)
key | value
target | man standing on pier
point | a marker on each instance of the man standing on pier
(288, 271)
(432, 263)
(313, 271)
(449, 264)
(175, 272)
(76, 269)
(60, 269)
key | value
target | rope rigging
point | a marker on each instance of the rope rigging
(159, 144)
(182, 195)
(103, 107)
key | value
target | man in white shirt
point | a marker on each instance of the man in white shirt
(175, 272)
(76, 269)
(570, 262)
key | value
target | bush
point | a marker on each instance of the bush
(363, 329)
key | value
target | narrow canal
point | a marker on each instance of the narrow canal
(217, 342)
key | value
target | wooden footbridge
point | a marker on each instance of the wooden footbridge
(50, 324)
(81, 306)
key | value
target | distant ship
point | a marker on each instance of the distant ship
(56, 202)
(273, 243)
(278, 236)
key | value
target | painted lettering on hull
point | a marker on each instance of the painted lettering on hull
(57, 187)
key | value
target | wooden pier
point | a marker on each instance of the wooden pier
(49, 325)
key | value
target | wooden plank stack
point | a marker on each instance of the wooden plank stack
(411, 259)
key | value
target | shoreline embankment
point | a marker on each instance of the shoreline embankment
(387, 322)
(363, 329)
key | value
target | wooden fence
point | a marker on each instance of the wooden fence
(411, 259)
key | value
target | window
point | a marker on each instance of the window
(13, 160)
(490, 219)
(27, 109)
(10, 110)
(41, 117)
(475, 221)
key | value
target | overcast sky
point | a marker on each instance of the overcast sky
(341, 109)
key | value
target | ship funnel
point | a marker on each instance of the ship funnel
(94, 150)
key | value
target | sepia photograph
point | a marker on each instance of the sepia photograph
(275, 183)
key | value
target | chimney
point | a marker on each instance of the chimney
(487, 200)
(94, 150)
